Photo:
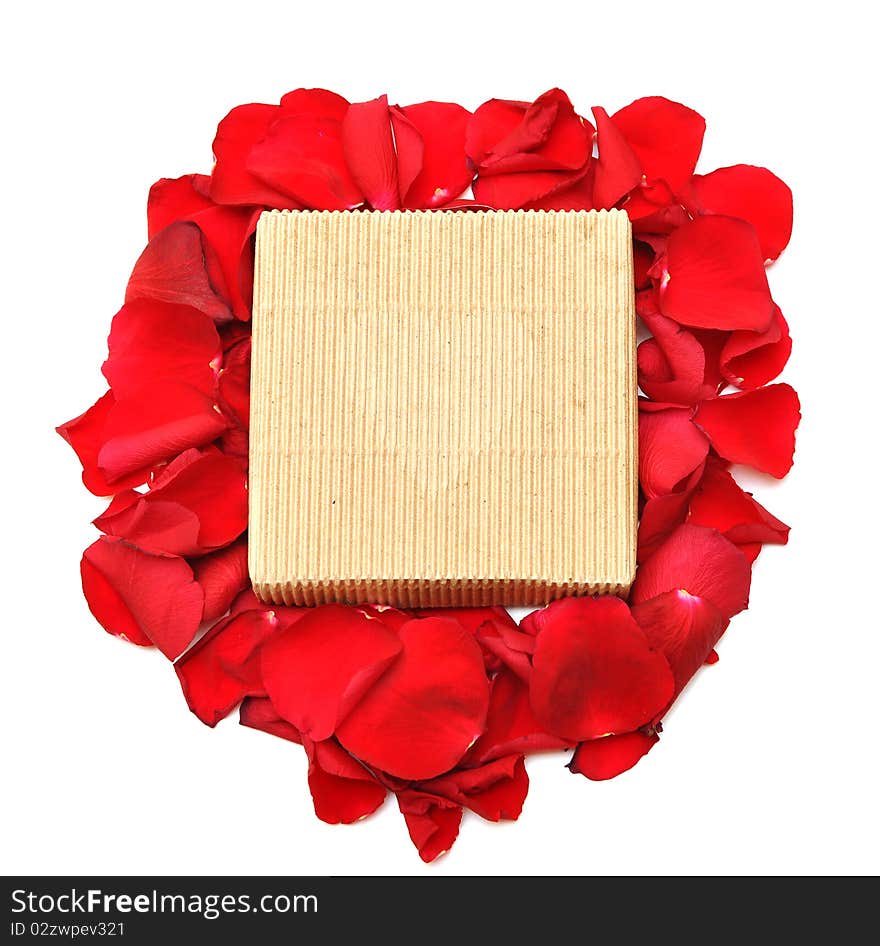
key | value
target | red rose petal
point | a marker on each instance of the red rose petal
(219, 671)
(594, 673)
(343, 791)
(751, 193)
(257, 712)
(429, 707)
(618, 169)
(754, 427)
(720, 504)
(141, 597)
(665, 136)
(577, 195)
(700, 562)
(320, 102)
(443, 168)
(85, 434)
(229, 236)
(150, 340)
(175, 268)
(237, 135)
(511, 727)
(432, 822)
(512, 647)
(663, 514)
(513, 191)
(601, 759)
(234, 384)
(670, 449)
(173, 199)
(154, 424)
(470, 618)
(495, 791)
(369, 152)
(684, 628)
(302, 156)
(316, 672)
(713, 276)
(752, 359)
(222, 575)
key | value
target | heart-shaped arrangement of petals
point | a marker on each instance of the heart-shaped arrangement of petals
(436, 707)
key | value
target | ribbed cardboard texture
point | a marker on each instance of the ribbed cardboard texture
(443, 407)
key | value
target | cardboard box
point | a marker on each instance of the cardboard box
(443, 407)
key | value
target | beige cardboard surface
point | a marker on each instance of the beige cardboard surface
(443, 407)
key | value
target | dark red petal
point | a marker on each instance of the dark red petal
(701, 562)
(150, 340)
(594, 673)
(316, 672)
(601, 759)
(665, 136)
(643, 260)
(428, 708)
(684, 628)
(670, 449)
(257, 712)
(752, 359)
(343, 791)
(173, 199)
(302, 156)
(714, 276)
(175, 268)
(754, 427)
(513, 648)
(86, 435)
(229, 236)
(432, 822)
(234, 384)
(222, 575)
(511, 727)
(237, 134)
(618, 169)
(444, 172)
(218, 672)
(663, 514)
(141, 597)
(495, 791)
(369, 152)
(154, 424)
(720, 504)
(750, 193)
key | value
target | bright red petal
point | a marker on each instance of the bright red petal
(684, 628)
(150, 340)
(369, 152)
(429, 707)
(147, 599)
(513, 191)
(601, 759)
(495, 791)
(222, 575)
(665, 136)
(86, 436)
(594, 673)
(302, 156)
(618, 169)
(750, 193)
(752, 359)
(754, 427)
(155, 424)
(670, 449)
(432, 822)
(343, 791)
(318, 102)
(257, 712)
(664, 514)
(237, 135)
(698, 561)
(316, 672)
(720, 504)
(173, 199)
(444, 171)
(714, 276)
(218, 672)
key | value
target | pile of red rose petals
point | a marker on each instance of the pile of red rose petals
(439, 708)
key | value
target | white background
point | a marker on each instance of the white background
(768, 763)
